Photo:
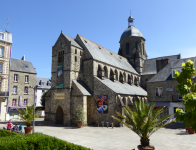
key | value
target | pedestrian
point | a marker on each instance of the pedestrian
(15, 128)
(9, 125)
(20, 128)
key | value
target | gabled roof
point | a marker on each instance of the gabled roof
(22, 66)
(150, 64)
(73, 42)
(82, 87)
(123, 88)
(166, 73)
(45, 80)
(104, 55)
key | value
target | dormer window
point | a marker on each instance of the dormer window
(1, 36)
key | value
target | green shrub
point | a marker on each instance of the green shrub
(4, 133)
(79, 114)
(36, 141)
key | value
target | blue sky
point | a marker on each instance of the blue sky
(169, 27)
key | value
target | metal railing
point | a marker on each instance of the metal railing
(4, 93)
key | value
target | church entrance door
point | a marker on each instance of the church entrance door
(59, 115)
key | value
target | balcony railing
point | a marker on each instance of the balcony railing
(4, 93)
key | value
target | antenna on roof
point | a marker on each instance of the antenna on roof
(6, 24)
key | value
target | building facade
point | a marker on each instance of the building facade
(5, 53)
(22, 77)
(85, 73)
(43, 84)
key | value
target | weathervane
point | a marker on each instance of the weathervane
(7, 24)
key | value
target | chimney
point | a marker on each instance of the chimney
(161, 63)
(23, 58)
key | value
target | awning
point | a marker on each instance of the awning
(161, 104)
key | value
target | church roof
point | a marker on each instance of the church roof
(104, 55)
(150, 64)
(73, 42)
(123, 88)
(132, 31)
(82, 87)
(22, 66)
(166, 73)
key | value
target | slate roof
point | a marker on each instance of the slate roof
(45, 80)
(166, 73)
(123, 88)
(82, 87)
(104, 55)
(73, 42)
(22, 66)
(150, 64)
(131, 31)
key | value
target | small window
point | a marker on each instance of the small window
(26, 66)
(1, 68)
(136, 45)
(75, 58)
(1, 36)
(43, 91)
(75, 51)
(99, 47)
(180, 97)
(85, 41)
(14, 102)
(15, 77)
(111, 53)
(26, 79)
(26, 90)
(25, 102)
(1, 51)
(159, 92)
(15, 90)
(80, 53)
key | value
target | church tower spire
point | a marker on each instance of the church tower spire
(132, 46)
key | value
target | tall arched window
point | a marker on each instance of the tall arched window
(136, 45)
(130, 79)
(105, 72)
(100, 72)
(127, 49)
(143, 48)
(124, 76)
(112, 75)
(116, 72)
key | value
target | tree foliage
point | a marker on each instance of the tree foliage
(143, 120)
(79, 114)
(188, 90)
(43, 98)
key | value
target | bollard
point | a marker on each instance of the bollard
(102, 123)
(107, 124)
(98, 123)
(112, 125)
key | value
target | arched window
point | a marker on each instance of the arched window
(116, 72)
(112, 75)
(121, 79)
(124, 76)
(130, 79)
(143, 48)
(105, 72)
(127, 49)
(136, 81)
(100, 72)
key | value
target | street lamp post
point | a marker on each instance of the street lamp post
(34, 87)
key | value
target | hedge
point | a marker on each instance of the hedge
(36, 141)
(4, 133)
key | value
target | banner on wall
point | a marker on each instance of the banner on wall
(102, 104)
(59, 76)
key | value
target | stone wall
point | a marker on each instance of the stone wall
(144, 80)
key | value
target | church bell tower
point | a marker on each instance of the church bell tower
(132, 46)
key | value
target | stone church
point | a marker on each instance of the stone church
(103, 82)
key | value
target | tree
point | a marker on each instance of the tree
(188, 91)
(79, 114)
(43, 99)
(143, 120)
(27, 114)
